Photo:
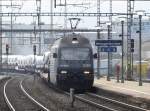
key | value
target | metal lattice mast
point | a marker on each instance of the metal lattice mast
(129, 24)
(132, 10)
(98, 37)
(98, 11)
(39, 22)
(128, 39)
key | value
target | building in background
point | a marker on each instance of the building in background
(23, 42)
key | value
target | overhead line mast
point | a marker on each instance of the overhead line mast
(39, 22)
(110, 37)
(130, 8)
(98, 37)
(51, 17)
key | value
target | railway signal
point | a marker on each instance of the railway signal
(7, 49)
(132, 45)
(34, 49)
(7, 52)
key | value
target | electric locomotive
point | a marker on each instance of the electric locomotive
(71, 63)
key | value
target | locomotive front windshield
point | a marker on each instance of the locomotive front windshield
(75, 54)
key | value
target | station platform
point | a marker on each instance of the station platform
(130, 88)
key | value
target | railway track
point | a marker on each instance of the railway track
(54, 100)
(3, 104)
(88, 99)
(119, 103)
(105, 104)
(111, 104)
(18, 99)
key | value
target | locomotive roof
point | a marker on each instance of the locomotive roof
(67, 41)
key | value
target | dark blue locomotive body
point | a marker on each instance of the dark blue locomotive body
(71, 63)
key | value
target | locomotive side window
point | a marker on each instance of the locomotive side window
(75, 54)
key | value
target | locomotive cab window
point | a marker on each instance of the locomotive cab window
(75, 54)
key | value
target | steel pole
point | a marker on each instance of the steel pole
(98, 37)
(51, 17)
(34, 63)
(11, 26)
(98, 56)
(34, 68)
(140, 56)
(65, 17)
(132, 63)
(48, 70)
(7, 64)
(1, 45)
(108, 75)
(122, 74)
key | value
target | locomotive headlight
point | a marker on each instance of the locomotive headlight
(75, 42)
(63, 72)
(86, 72)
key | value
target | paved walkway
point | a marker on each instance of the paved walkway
(128, 87)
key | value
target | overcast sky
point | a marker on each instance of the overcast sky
(89, 6)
